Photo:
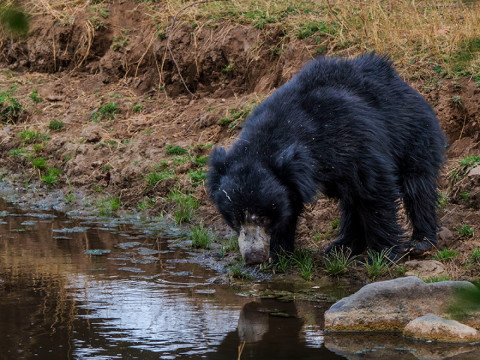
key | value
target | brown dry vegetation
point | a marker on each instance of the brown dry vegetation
(83, 56)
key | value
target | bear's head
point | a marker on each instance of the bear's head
(252, 201)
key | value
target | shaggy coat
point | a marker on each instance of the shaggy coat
(351, 129)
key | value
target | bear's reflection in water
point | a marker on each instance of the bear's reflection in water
(269, 329)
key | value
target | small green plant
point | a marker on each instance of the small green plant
(284, 261)
(476, 255)
(18, 152)
(236, 116)
(137, 108)
(107, 206)
(157, 175)
(202, 237)
(465, 195)
(436, 279)
(457, 100)
(55, 125)
(51, 176)
(175, 150)
(10, 108)
(228, 68)
(121, 41)
(146, 203)
(377, 263)
(39, 163)
(185, 206)
(239, 271)
(465, 230)
(305, 261)
(34, 96)
(106, 111)
(199, 160)
(32, 136)
(463, 167)
(445, 255)
(338, 261)
(311, 28)
(197, 176)
(442, 199)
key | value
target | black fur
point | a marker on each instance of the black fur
(351, 129)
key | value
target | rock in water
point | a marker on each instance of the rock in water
(391, 305)
(431, 327)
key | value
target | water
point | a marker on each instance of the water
(120, 289)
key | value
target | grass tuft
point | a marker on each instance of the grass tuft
(185, 206)
(377, 263)
(338, 261)
(202, 237)
(445, 255)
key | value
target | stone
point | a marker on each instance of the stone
(424, 269)
(431, 327)
(390, 305)
(445, 238)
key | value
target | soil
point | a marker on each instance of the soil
(78, 67)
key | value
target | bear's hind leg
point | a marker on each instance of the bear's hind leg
(419, 198)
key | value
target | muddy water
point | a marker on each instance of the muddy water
(97, 288)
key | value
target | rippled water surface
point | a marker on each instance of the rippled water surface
(98, 288)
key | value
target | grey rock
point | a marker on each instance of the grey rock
(431, 327)
(424, 269)
(391, 305)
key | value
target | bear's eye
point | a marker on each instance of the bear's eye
(263, 221)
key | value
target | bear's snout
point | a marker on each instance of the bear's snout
(254, 244)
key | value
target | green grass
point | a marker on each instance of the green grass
(442, 199)
(199, 160)
(32, 136)
(18, 152)
(185, 206)
(284, 262)
(475, 255)
(51, 176)
(465, 230)
(436, 279)
(377, 263)
(34, 96)
(175, 150)
(317, 27)
(464, 166)
(236, 116)
(137, 108)
(197, 176)
(445, 255)
(55, 125)
(146, 203)
(202, 237)
(39, 163)
(10, 108)
(338, 261)
(157, 175)
(239, 271)
(305, 261)
(108, 206)
(105, 112)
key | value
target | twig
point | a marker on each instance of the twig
(170, 31)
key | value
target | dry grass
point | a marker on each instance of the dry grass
(424, 37)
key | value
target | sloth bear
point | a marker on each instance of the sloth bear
(350, 129)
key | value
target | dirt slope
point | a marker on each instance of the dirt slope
(113, 84)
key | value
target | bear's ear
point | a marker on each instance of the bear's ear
(295, 169)
(218, 168)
